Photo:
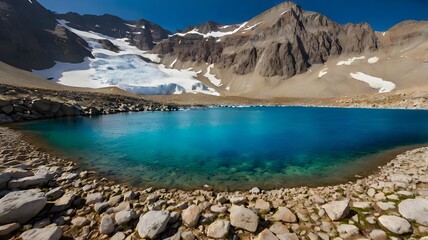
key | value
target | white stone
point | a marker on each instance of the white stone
(243, 218)
(337, 210)
(191, 216)
(266, 235)
(347, 230)
(415, 210)
(123, 217)
(94, 198)
(362, 205)
(80, 221)
(285, 215)
(385, 205)
(288, 236)
(152, 224)
(21, 206)
(106, 225)
(395, 224)
(218, 229)
(378, 234)
(262, 206)
(47, 233)
(278, 228)
(255, 190)
(238, 200)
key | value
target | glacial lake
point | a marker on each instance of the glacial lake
(234, 148)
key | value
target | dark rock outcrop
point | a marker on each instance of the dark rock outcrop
(283, 41)
(30, 37)
(141, 33)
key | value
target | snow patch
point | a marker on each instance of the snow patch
(130, 25)
(322, 73)
(374, 82)
(373, 60)
(284, 12)
(30, 1)
(213, 79)
(173, 63)
(350, 61)
(216, 34)
(251, 27)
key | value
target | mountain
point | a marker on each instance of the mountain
(141, 33)
(30, 37)
(283, 52)
(283, 41)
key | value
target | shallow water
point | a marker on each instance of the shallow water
(234, 148)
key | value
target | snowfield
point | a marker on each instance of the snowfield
(126, 69)
(213, 79)
(374, 82)
(349, 61)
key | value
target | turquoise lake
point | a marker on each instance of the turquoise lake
(234, 148)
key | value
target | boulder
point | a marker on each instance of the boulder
(8, 228)
(191, 216)
(123, 217)
(285, 215)
(262, 206)
(106, 225)
(266, 235)
(38, 180)
(63, 203)
(21, 206)
(55, 193)
(100, 207)
(278, 228)
(94, 198)
(237, 200)
(337, 210)
(243, 218)
(152, 224)
(347, 230)
(395, 224)
(218, 229)
(80, 221)
(18, 172)
(47, 233)
(415, 210)
(378, 234)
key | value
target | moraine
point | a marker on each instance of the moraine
(234, 148)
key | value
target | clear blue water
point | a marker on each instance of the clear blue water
(231, 148)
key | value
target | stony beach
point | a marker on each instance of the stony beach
(46, 197)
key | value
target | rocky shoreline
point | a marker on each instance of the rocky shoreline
(46, 197)
(24, 104)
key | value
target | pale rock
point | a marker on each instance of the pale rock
(278, 228)
(401, 178)
(38, 180)
(130, 195)
(218, 229)
(378, 234)
(123, 217)
(100, 207)
(415, 210)
(243, 218)
(313, 236)
(337, 210)
(118, 236)
(266, 235)
(80, 222)
(67, 177)
(8, 228)
(187, 235)
(255, 190)
(362, 205)
(63, 203)
(371, 192)
(94, 198)
(18, 172)
(152, 224)
(385, 205)
(262, 206)
(287, 236)
(347, 230)
(395, 224)
(191, 216)
(218, 209)
(285, 215)
(238, 200)
(380, 196)
(107, 224)
(21, 206)
(47, 233)
(113, 201)
(54, 194)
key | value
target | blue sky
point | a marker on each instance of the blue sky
(178, 14)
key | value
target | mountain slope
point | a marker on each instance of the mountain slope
(31, 39)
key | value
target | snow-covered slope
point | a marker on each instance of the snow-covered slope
(127, 69)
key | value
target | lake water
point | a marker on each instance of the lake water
(234, 148)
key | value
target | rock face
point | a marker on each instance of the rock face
(283, 41)
(47, 233)
(395, 224)
(30, 37)
(152, 224)
(142, 33)
(244, 218)
(337, 210)
(21, 206)
(415, 210)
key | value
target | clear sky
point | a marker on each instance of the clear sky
(178, 14)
